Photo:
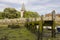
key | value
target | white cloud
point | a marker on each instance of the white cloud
(2, 6)
(44, 1)
(51, 5)
(38, 8)
(43, 9)
(25, 1)
(15, 1)
(41, 1)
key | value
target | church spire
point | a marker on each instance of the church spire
(22, 10)
(23, 7)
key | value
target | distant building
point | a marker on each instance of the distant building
(49, 16)
(22, 10)
(58, 15)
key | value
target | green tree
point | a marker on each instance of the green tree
(28, 14)
(11, 13)
(1, 15)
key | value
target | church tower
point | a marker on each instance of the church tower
(22, 10)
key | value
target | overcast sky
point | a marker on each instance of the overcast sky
(40, 6)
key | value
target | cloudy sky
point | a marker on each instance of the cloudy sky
(40, 6)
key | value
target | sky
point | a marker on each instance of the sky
(40, 6)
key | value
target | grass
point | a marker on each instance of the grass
(17, 34)
(21, 34)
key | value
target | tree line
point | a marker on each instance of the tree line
(12, 13)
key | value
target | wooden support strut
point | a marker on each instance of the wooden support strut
(41, 28)
(53, 26)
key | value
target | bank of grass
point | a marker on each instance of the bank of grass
(16, 34)
(3, 26)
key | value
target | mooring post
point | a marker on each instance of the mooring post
(41, 28)
(38, 32)
(53, 25)
(27, 22)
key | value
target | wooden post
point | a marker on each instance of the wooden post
(38, 32)
(27, 22)
(41, 28)
(53, 26)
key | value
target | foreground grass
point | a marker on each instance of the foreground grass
(17, 34)
(22, 34)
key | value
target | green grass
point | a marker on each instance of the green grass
(17, 34)
(21, 34)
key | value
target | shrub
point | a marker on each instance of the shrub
(13, 26)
